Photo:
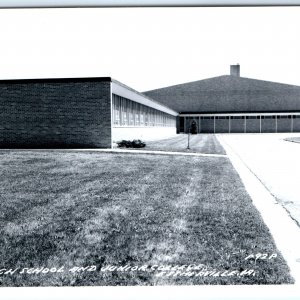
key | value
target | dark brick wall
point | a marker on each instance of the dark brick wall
(252, 125)
(237, 125)
(296, 125)
(65, 113)
(207, 126)
(222, 125)
(268, 125)
(284, 125)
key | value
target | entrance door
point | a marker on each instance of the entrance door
(181, 124)
(194, 127)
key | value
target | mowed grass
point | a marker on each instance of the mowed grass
(199, 143)
(66, 208)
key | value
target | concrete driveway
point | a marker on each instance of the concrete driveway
(275, 162)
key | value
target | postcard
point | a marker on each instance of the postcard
(150, 151)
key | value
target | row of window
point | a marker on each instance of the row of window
(248, 117)
(130, 113)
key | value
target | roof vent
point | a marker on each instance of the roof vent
(235, 70)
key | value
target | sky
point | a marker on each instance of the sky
(148, 48)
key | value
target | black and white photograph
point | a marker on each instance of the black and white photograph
(150, 147)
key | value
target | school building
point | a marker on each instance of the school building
(233, 104)
(78, 113)
(96, 112)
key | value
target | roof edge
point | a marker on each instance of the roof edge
(188, 82)
(232, 76)
(58, 79)
(143, 95)
(240, 112)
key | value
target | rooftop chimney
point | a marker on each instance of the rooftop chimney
(235, 70)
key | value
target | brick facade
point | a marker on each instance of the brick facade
(55, 113)
(237, 125)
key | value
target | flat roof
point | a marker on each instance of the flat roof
(138, 96)
(131, 94)
(64, 79)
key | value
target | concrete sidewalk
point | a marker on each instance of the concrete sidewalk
(255, 158)
(126, 151)
(275, 162)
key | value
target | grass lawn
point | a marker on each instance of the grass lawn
(203, 143)
(64, 209)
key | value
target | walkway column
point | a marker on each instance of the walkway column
(259, 124)
(214, 124)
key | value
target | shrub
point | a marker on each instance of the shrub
(131, 144)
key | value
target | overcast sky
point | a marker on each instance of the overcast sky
(148, 48)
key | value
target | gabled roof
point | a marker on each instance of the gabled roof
(229, 94)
